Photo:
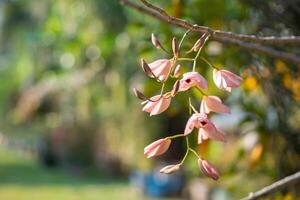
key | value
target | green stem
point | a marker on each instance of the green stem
(162, 89)
(166, 51)
(207, 62)
(175, 136)
(187, 150)
(183, 37)
(195, 59)
(196, 154)
(185, 59)
(190, 103)
(194, 109)
(203, 93)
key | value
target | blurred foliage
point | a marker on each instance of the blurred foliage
(68, 66)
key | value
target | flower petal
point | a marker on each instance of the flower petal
(214, 104)
(161, 106)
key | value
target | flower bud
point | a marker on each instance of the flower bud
(176, 73)
(200, 42)
(157, 148)
(170, 169)
(208, 169)
(139, 94)
(175, 46)
(146, 68)
(175, 88)
(155, 41)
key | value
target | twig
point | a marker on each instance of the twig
(224, 37)
(278, 185)
(271, 40)
(265, 50)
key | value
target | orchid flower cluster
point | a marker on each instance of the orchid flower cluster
(163, 69)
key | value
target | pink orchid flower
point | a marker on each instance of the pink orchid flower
(161, 68)
(207, 130)
(213, 104)
(156, 105)
(208, 169)
(192, 79)
(226, 80)
(170, 169)
(157, 148)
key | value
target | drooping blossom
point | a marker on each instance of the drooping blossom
(207, 130)
(213, 104)
(157, 104)
(226, 80)
(192, 79)
(170, 169)
(161, 68)
(157, 148)
(208, 169)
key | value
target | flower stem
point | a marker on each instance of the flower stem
(187, 150)
(209, 64)
(190, 103)
(199, 51)
(185, 59)
(193, 108)
(183, 37)
(175, 136)
(194, 152)
(162, 89)
(203, 93)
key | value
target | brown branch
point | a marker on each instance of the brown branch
(271, 40)
(264, 50)
(278, 185)
(228, 38)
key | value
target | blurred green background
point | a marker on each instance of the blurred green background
(71, 127)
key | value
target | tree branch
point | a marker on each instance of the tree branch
(223, 37)
(271, 40)
(289, 180)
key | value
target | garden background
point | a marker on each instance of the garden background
(71, 128)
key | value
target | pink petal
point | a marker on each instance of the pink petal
(202, 135)
(214, 104)
(191, 79)
(161, 68)
(201, 82)
(170, 169)
(231, 79)
(157, 148)
(203, 107)
(190, 125)
(161, 106)
(151, 104)
(219, 79)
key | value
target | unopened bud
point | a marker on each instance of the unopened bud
(175, 46)
(175, 88)
(200, 42)
(155, 41)
(157, 148)
(139, 95)
(170, 169)
(208, 169)
(176, 73)
(146, 68)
